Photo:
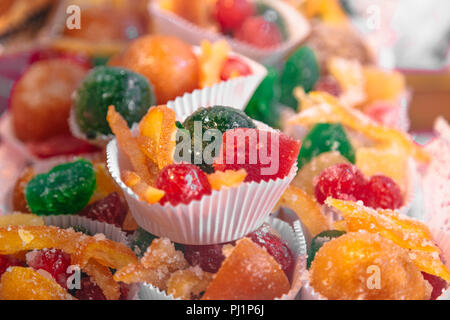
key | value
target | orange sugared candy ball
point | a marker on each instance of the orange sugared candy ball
(41, 99)
(362, 265)
(248, 273)
(169, 64)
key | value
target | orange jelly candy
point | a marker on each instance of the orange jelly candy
(248, 273)
(227, 178)
(363, 265)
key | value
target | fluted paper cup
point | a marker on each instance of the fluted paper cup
(225, 215)
(297, 28)
(442, 240)
(296, 243)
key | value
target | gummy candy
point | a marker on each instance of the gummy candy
(275, 246)
(60, 145)
(363, 265)
(438, 284)
(105, 183)
(189, 283)
(325, 137)
(264, 155)
(342, 181)
(232, 14)
(208, 257)
(260, 33)
(18, 198)
(111, 210)
(318, 241)
(234, 67)
(309, 171)
(129, 92)
(306, 208)
(212, 60)
(54, 261)
(301, 69)
(168, 63)
(19, 283)
(195, 11)
(330, 85)
(9, 261)
(272, 15)
(128, 145)
(89, 291)
(228, 178)
(41, 99)
(382, 192)
(101, 275)
(65, 189)
(263, 104)
(182, 183)
(217, 117)
(248, 273)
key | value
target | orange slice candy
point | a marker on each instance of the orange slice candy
(306, 208)
(19, 283)
(227, 178)
(158, 125)
(363, 265)
(248, 273)
(405, 232)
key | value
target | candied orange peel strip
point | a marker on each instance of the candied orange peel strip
(19, 283)
(143, 190)
(405, 232)
(306, 208)
(328, 109)
(227, 178)
(211, 60)
(127, 143)
(158, 135)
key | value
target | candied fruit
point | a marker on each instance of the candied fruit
(9, 261)
(264, 155)
(318, 241)
(382, 192)
(438, 284)
(41, 99)
(234, 67)
(259, 32)
(275, 246)
(60, 145)
(89, 291)
(18, 198)
(248, 273)
(208, 257)
(65, 189)
(232, 14)
(188, 283)
(342, 181)
(110, 209)
(228, 178)
(54, 261)
(363, 265)
(168, 63)
(182, 183)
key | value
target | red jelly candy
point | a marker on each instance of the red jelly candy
(251, 149)
(9, 261)
(260, 33)
(110, 209)
(275, 246)
(60, 145)
(342, 181)
(234, 65)
(438, 284)
(182, 183)
(54, 261)
(382, 192)
(89, 291)
(232, 13)
(208, 257)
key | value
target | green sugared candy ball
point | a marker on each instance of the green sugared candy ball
(130, 93)
(325, 137)
(318, 241)
(65, 189)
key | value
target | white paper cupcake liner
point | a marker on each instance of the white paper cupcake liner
(223, 216)
(442, 239)
(297, 28)
(296, 242)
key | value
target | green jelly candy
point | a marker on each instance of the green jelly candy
(65, 189)
(263, 104)
(318, 241)
(217, 117)
(272, 15)
(301, 69)
(129, 92)
(325, 137)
